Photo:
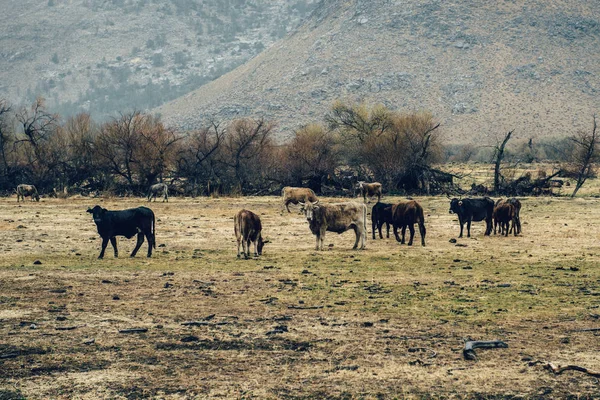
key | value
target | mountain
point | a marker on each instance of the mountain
(482, 67)
(111, 56)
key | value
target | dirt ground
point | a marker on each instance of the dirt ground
(386, 322)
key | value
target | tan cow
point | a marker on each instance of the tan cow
(337, 218)
(369, 190)
(297, 195)
(248, 229)
(27, 190)
(408, 213)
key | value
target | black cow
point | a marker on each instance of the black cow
(468, 210)
(381, 213)
(126, 223)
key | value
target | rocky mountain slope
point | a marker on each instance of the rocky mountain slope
(111, 56)
(482, 67)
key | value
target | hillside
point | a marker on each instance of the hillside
(482, 67)
(111, 56)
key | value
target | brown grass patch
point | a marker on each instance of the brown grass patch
(385, 322)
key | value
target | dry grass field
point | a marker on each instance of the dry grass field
(387, 322)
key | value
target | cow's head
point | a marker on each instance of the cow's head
(37, 197)
(455, 205)
(359, 185)
(97, 213)
(260, 244)
(309, 210)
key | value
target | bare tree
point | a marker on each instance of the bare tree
(499, 155)
(584, 155)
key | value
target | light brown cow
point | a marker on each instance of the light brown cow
(504, 214)
(369, 190)
(297, 195)
(159, 189)
(337, 218)
(27, 190)
(408, 213)
(248, 229)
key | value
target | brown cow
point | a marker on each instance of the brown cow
(408, 213)
(297, 195)
(248, 229)
(517, 220)
(381, 213)
(27, 190)
(337, 218)
(504, 213)
(369, 190)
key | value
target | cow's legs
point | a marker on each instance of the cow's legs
(322, 238)
(150, 240)
(287, 205)
(488, 226)
(396, 233)
(104, 244)
(140, 240)
(256, 248)
(358, 235)
(244, 246)
(387, 224)
(403, 234)
(461, 223)
(411, 228)
(422, 231)
(469, 228)
(239, 245)
(113, 241)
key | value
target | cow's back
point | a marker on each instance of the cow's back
(248, 225)
(341, 216)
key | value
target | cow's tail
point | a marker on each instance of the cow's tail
(153, 231)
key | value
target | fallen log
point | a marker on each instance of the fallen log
(134, 330)
(68, 328)
(557, 369)
(471, 345)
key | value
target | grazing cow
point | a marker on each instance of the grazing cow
(504, 214)
(297, 195)
(248, 229)
(477, 209)
(517, 204)
(27, 190)
(157, 190)
(126, 223)
(408, 213)
(369, 190)
(381, 213)
(337, 218)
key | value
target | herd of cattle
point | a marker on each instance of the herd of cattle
(338, 218)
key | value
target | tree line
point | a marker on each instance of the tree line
(134, 150)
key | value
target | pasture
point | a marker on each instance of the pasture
(387, 322)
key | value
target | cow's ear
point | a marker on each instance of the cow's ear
(90, 210)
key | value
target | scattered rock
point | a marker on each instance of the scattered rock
(115, 297)
(452, 240)
(89, 341)
(168, 285)
(367, 324)
(37, 262)
(191, 338)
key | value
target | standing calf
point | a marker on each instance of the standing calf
(517, 220)
(408, 213)
(248, 229)
(27, 190)
(158, 189)
(381, 213)
(504, 214)
(126, 223)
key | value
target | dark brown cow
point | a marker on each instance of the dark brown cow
(369, 190)
(27, 190)
(381, 213)
(517, 221)
(297, 195)
(337, 218)
(408, 213)
(248, 229)
(504, 213)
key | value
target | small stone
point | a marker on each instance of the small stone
(37, 262)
